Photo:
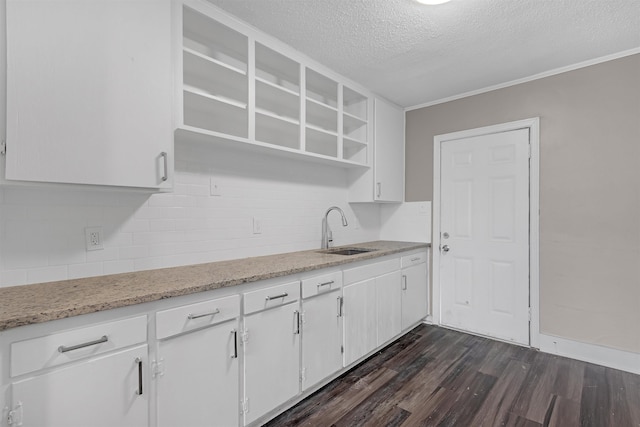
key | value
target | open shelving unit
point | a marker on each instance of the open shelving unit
(215, 78)
(240, 89)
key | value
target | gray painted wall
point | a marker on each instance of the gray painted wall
(589, 190)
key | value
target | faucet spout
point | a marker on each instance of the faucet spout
(327, 236)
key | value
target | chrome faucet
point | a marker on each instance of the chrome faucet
(327, 235)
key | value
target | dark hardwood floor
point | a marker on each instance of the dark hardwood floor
(437, 377)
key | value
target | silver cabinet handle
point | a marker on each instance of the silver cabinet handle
(339, 306)
(234, 355)
(139, 362)
(330, 282)
(378, 189)
(445, 248)
(192, 316)
(296, 316)
(282, 295)
(404, 282)
(64, 349)
(415, 259)
(165, 162)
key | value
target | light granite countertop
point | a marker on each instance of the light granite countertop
(43, 302)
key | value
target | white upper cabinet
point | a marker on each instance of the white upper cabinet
(89, 98)
(240, 88)
(385, 182)
(389, 152)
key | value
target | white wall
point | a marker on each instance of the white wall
(42, 229)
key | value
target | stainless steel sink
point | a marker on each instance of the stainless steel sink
(346, 251)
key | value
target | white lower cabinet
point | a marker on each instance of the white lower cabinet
(271, 348)
(101, 392)
(372, 307)
(196, 372)
(414, 289)
(321, 328)
(85, 375)
(227, 361)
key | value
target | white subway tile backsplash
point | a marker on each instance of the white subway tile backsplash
(106, 254)
(68, 256)
(149, 264)
(47, 274)
(162, 225)
(86, 270)
(116, 267)
(14, 277)
(133, 252)
(43, 230)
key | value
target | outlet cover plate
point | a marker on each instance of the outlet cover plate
(94, 237)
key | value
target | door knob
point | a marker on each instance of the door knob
(445, 248)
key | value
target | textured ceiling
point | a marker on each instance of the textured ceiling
(414, 54)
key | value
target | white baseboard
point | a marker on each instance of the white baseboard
(605, 356)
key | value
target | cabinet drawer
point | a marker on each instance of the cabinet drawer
(62, 347)
(321, 284)
(274, 296)
(369, 271)
(413, 259)
(193, 316)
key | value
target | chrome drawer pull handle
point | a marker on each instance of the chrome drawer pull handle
(64, 349)
(283, 295)
(404, 282)
(330, 282)
(415, 259)
(197, 316)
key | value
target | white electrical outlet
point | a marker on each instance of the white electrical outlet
(257, 225)
(94, 238)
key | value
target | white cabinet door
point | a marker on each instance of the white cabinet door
(100, 392)
(321, 337)
(388, 305)
(199, 381)
(414, 295)
(389, 152)
(271, 359)
(360, 320)
(89, 92)
(384, 182)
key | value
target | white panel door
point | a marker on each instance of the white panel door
(389, 152)
(360, 320)
(271, 359)
(199, 381)
(388, 306)
(484, 262)
(321, 338)
(414, 294)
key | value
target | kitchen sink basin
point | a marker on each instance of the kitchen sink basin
(347, 251)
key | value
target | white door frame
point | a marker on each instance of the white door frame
(533, 125)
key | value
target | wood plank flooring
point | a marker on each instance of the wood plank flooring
(438, 377)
